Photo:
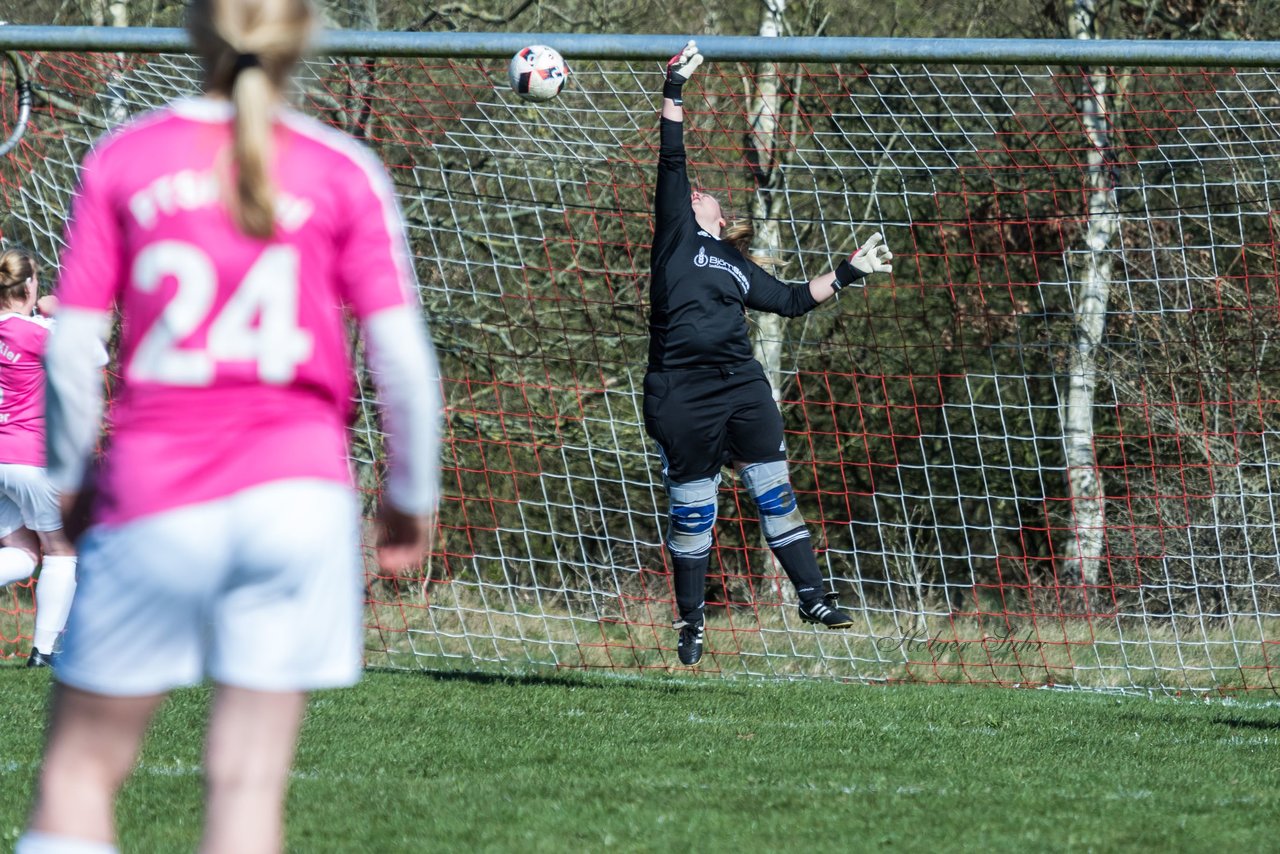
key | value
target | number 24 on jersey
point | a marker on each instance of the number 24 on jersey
(268, 293)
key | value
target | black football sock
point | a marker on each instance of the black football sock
(690, 578)
(801, 565)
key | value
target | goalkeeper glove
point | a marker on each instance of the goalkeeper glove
(680, 69)
(873, 257)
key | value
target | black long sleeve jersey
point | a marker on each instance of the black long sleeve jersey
(699, 284)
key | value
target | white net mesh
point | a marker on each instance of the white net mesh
(929, 416)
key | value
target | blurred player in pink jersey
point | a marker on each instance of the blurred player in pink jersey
(29, 517)
(234, 237)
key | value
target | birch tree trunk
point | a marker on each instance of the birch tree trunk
(113, 13)
(1090, 298)
(766, 208)
(765, 204)
(109, 13)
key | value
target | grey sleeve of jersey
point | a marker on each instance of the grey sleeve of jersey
(402, 364)
(73, 360)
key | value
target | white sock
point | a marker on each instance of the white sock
(35, 842)
(54, 592)
(15, 565)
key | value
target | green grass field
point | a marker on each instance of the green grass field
(409, 762)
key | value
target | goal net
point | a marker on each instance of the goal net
(1037, 454)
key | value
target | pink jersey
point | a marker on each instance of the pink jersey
(234, 352)
(22, 341)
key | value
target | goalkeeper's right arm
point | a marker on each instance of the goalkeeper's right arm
(672, 213)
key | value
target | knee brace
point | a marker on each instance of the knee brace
(770, 488)
(691, 517)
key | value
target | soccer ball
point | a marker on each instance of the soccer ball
(538, 73)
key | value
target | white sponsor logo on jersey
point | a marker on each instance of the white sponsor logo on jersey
(702, 259)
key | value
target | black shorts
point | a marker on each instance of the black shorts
(704, 419)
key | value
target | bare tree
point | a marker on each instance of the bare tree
(1090, 299)
(766, 208)
(766, 205)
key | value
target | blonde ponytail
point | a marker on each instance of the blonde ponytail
(254, 97)
(249, 49)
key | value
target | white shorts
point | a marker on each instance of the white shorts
(27, 498)
(261, 590)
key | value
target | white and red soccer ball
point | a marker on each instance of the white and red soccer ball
(538, 73)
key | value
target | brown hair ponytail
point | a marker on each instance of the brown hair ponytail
(17, 269)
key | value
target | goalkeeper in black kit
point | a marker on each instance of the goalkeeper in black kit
(706, 399)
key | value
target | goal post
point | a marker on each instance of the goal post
(928, 416)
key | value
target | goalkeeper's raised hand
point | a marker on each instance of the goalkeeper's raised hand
(872, 257)
(680, 69)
